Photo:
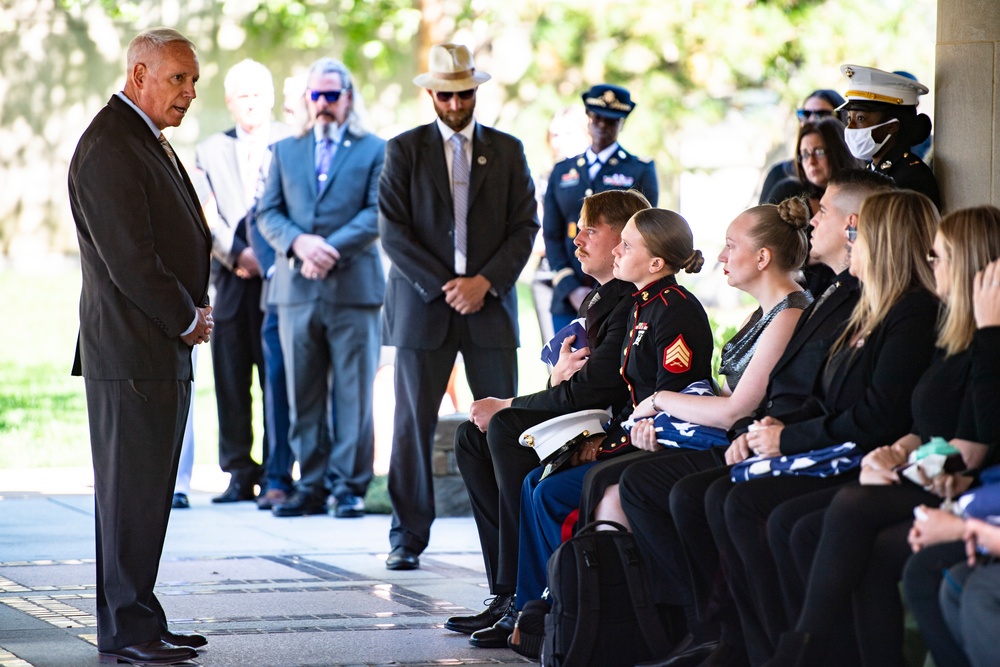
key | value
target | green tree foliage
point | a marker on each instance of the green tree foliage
(689, 63)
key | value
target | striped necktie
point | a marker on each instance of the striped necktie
(170, 152)
(460, 194)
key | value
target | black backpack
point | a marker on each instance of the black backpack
(601, 612)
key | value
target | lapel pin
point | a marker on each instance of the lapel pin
(347, 143)
(481, 159)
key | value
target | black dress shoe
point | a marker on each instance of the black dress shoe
(494, 612)
(349, 506)
(401, 558)
(497, 634)
(236, 492)
(155, 652)
(180, 502)
(301, 503)
(190, 640)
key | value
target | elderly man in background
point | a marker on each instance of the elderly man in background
(231, 163)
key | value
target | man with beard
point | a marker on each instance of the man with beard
(457, 219)
(319, 212)
(604, 166)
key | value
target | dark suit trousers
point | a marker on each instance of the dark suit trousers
(420, 381)
(331, 350)
(136, 430)
(236, 349)
(494, 465)
(922, 579)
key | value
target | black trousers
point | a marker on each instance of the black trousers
(420, 381)
(136, 429)
(494, 465)
(236, 348)
(853, 588)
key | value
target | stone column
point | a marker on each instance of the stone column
(967, 103)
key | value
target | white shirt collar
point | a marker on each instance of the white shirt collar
(262, 132)
(603, 155)
(142, 114)
(447, 133)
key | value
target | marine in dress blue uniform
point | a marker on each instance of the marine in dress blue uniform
(669, 346)
(604, 166)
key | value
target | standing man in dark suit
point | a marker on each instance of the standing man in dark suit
(231, 163)
(490, 458)
(457, 217)
(604, 166)
(319, 212)
(144, 251)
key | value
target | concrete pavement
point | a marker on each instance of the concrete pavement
(310, 591)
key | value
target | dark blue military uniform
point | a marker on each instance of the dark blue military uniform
(569, 184)
(909, 172)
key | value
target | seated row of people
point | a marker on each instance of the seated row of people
(773, 562)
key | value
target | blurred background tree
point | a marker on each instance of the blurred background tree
(716, 81)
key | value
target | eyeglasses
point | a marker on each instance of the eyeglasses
(330, 95)
(807, 114)
(819, 154)
(852, 234)
(445, 95)
(932, 258)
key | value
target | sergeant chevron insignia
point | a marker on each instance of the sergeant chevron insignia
(677, 356)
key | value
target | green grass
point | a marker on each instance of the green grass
(43, 411)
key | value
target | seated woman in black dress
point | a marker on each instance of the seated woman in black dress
(854, 550)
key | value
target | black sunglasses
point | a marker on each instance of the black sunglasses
(444, 96)
(330, 95)
(806, 114)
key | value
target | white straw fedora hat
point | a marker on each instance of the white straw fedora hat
(451, 69)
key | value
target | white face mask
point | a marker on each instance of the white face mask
(861, 143)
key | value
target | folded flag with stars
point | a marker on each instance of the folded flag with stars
(578, 328)
(677, 433)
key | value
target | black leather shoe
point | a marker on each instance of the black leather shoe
(236, 492)
(497, 634)
(180, 502)
(155, 652)
(190, 640)
(494, 612)
(401, 558)
(301, 503)
(349, 506)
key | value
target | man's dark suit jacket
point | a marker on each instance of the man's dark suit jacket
(416, 223)
(144, 248)
(599, 383)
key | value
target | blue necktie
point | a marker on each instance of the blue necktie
(323, 161)
(460, 192)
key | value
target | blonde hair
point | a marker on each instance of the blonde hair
(782, 229)
(972, 239)
(898, 231)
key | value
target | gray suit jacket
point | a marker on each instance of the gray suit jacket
(344, 213)
(144, 250)
(417, 224)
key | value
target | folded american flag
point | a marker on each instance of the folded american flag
(825, 462)
(578, 328)
(674, 432)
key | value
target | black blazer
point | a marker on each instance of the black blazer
(416, 222)
(599, 384)
(868, 400)
(144, 250)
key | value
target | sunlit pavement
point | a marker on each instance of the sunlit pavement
(265, 591)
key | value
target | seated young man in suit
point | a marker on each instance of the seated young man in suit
(490, 459)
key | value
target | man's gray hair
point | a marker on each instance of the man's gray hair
(148, 42)
(357, 117)
(248, 70)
